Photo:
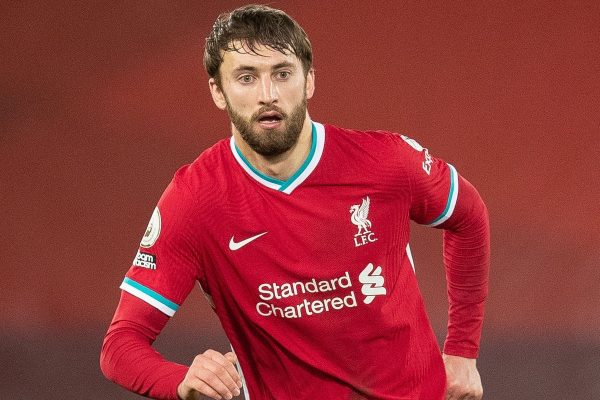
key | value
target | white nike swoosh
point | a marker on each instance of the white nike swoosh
(233, 245)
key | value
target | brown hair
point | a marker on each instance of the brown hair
(251, 26)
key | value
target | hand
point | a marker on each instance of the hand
(462, 379)
(211, 374)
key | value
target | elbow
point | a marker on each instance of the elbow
(473, 213)
(107, 365)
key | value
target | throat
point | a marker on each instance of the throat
(281, 166)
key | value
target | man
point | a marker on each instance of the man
(297, 232)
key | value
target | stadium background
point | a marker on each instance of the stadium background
(100, 102)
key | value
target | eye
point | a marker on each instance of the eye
(283, 74)
(246, 79)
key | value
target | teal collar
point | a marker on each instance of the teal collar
(307, 167)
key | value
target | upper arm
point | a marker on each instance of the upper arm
(167, 265)
(434, 185)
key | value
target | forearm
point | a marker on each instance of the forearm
(467, 258)
(128, 358)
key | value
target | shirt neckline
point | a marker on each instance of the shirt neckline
(303, 172)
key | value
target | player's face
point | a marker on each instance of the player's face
(265, 95)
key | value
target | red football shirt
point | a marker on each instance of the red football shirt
(312, 278)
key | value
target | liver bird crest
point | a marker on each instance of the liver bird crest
(360, 215)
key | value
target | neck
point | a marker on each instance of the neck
(284, 165)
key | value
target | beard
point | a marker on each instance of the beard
(270, 142)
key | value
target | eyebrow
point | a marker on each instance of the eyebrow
(285, 64)
(248, 68)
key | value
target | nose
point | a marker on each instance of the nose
(268, 91)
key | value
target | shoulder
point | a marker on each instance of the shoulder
(207, 169)
(378, 142)
(360, 135)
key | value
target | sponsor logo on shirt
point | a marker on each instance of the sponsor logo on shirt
(415, 145)
(427, 163)
(145, 260)
(360, 217)
(152, 231)
(233, 245)
(311, 302)
(372, 283)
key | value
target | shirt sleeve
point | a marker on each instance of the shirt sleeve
(166, 265)
(162, 275)
(441, 198)
(127, 357)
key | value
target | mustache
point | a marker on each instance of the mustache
(265, 109)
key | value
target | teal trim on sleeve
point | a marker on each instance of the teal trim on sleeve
(149, 292)
(451, 198)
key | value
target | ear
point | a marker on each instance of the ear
(217, 94)
(310, 83)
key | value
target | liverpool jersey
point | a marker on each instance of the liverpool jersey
(312, 277)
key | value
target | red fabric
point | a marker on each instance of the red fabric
(467, 260)
(311, 237)
(127, 356)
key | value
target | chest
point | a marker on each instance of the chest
(318, 234)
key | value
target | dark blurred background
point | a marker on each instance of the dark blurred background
(100, 102)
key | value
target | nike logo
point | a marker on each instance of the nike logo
(233, 245)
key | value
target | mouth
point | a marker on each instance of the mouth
(270, 119)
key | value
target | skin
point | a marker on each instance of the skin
(211, 374)
(273, 82)
(251, 82)
(462, 378)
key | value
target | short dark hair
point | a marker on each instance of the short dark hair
(255, 25)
